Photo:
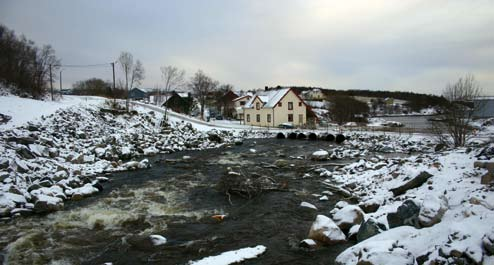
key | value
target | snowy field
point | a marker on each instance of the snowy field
(23, 110)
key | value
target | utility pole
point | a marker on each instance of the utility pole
(113, 67)
(60, 83)
(51, 83)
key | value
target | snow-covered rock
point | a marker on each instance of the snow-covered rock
(348, 216)
(324, 230)
(320, 155)
(158, 240)
(432, 210)
(231, 257)
(308, 205)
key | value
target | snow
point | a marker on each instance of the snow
(308, 205)
(327, 227)
(23, 110)
(158, 240)
(231, 257)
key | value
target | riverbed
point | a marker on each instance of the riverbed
(176, 199)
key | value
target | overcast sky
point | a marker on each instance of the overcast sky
(416, 46)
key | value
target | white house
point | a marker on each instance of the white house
(275, 107)
(238, 105)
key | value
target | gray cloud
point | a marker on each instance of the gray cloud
(394, 45)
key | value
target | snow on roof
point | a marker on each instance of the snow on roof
(269, 98)
(241, 97)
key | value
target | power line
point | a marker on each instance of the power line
(84, 65)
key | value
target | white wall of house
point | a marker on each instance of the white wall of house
(279, 114)
(298, 112)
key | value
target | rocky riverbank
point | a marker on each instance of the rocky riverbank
(435, 207)
(64, 156)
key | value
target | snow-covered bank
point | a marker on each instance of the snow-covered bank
(60, 156)
(436, 207)
(23, 110)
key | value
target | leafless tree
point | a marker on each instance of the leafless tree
(172, 78)
(454, 127)
(133, 73)
(202, 85)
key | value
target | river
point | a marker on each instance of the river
(176, 198)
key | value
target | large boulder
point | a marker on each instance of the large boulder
(47, 204)
(348, 216)
(413, 183)
(369, 229)
(407, 214)
(432, 210)
(324, 230)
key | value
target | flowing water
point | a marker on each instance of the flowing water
(176, 198)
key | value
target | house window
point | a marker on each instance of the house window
(279, 104)
(300, 104)
(258, 117)
(248, 117)
(290, 105)
(242, 103)
(258, 106)
(269, 118)
(301, 119)
(290, 117)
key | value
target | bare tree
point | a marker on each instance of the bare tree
(202, 85)
(454, 127)
(134, 73)
(172, 78)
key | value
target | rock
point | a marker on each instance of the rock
(47, 204)
(308, 205)
(25, 140)
(370, 206)
(432, 210)
(439, 147)
(33, 187)
(79, 159)
(281, 163)
(24, 152)
(53, 152)
(324, 230)
(131, 165)
(407, 214)
(369, 229)
(323, 198)
(348, 216)
(141, 242)
(387, 256)
(213, 137)
(4, 176)
(59, 175)
(77, 197)
(488, 243)
(308, 244)
(21, 166)
(4, 163)
(312, 136)
(413, 183)
(46, 183)
(144, 164)
(487, 178)
(38, 150)
(32, 127)
(157, 240)
(239, 142)
(320, 155)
